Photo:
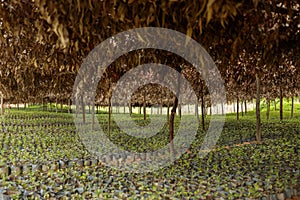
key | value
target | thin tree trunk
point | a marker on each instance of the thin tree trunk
(197, 111)
(61, 106)
(245, 103)
(172, 117)
(130, 109)
(83, 110)
(222, 106)
(93, 116)
(268, 109)
(281, 104)
(179, 110)
(161, 104)
(258, 120)
(56, 105)
(292, 108)
(168, 112)
(171, 125)
(237, 109)
(202, 111)
(109, 118)
(242, 108)
(69, 105)
(43, 106)
(2, 105)
(144, 106)
(233, 105)
(275, 104)
(140, 110)
(118, 109)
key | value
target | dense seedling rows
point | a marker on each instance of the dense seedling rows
(42, 157)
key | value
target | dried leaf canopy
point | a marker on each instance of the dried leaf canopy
(43, 42)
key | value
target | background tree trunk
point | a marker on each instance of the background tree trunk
(93, 116)
(233, 105)
(245, 102)
(109, 118)
(202, 111)
(61, 106)
(171, 125)
(43, 104)
(69, 106)
(197, 111)
(144, 106)
(172, 117)
(281, 104)
(56, 105)
(292, 107)
(268, 109)
(258, 120)
(179, 110)
(222, 107)
(168, 112)
(130, 109)
(237, 108)
(242, 108)
(2, 104)
(83, 110)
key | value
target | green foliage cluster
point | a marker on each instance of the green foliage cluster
(42, 157)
